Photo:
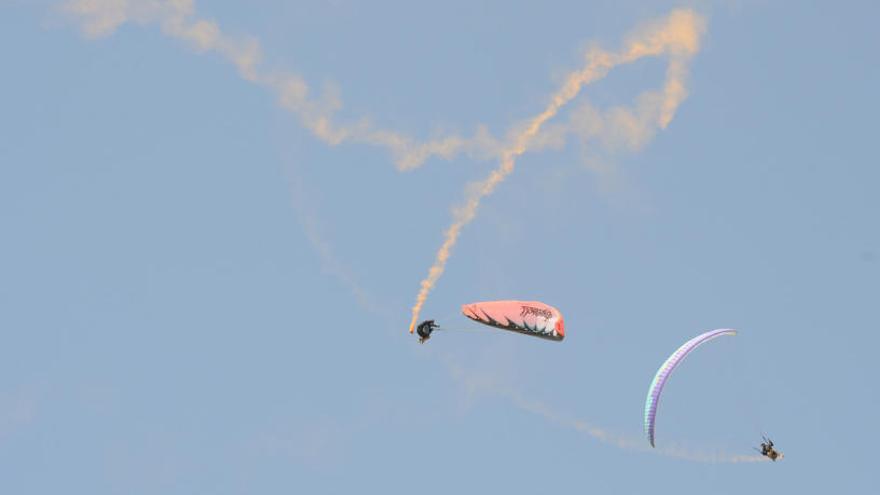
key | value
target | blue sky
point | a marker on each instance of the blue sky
(200, 296)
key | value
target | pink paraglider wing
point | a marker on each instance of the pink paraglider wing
(527, 317)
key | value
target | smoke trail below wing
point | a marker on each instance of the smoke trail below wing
(477, 383)
(623, 442)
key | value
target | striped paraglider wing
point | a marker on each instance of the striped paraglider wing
(666, 369)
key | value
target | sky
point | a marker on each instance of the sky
(216, 218)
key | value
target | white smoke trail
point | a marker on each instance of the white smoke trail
(624, 442)
(308, 219)
(178, 19)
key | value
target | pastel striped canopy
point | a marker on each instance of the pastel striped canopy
(666, 369)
